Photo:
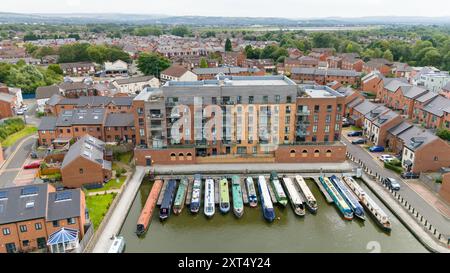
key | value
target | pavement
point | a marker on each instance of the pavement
(252, 168)
(113, 225)
(425, 207)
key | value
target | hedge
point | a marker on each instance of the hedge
(11, 126)
(397, 169)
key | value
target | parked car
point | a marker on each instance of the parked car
(376, 149)
(25, 107)
(345, 123)
(33, 165)
(354, 133)
(391, 183)
(20, 112)
(33, 154)
(359, 141)
(386, 158)
(409, 175)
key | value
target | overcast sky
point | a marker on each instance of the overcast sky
(247, 8)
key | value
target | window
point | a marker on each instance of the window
(81, 170)
(316, 108)
(277, 98)
(251, 99)
(23, 228)
(435, 158)
(329, 108)
(55, 223)
(239, 99)
(292, 153)
(304, 153)
(316, 153)
(38, 226)
(288, 99)
(265, 99)
(68, 130)
(26, 243)
(6, 231)
(71, 221)
(327, 128)
(172, 156)
(76, 129)
(314, 128)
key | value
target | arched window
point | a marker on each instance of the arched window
(292, 153)
(180, 156)
(189, 156)
(304, 153)
(316, 153)
(173, 157)
(328, 154)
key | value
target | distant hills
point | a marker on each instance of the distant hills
(117, 18)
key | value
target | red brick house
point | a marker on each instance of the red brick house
(382, 65)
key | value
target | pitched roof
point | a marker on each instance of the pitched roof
(72, 86)
(175, 71)
(120, 120)
(325, 72)
(365, 107)
(45, 92)
(413, 92)
(395, 83)
(6, 97)
(415, 137)
(87, 147)
(400, 128)
(385, 117)
(97, 101)
(437, 106)
(47, 124)
(23, 203)
(426, 97)
(89, 116)
(63, 205)
(134, 80)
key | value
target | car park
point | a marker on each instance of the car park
(359, 141)
(391, 183)
(354, 133)
(409, 175)
(376, 149)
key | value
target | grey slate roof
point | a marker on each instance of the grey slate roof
(394, 84)
(415, 137)
(47, 124)
(63, 209)
(385, 117)
(45, 92)
(426, 97)
(14, 207)
(54, 100)
(134, 80)
(355, 102)
(97, 101)
(437, 106)
(224, 70)
(90, 116)
(87, 147)
(376, 112)
(365, 107)
(67, 86)
(119, 119)
(413, 92)
(400, 128)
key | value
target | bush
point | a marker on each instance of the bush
(390, 166)
(11, 126)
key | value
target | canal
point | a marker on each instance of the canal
(324, 232)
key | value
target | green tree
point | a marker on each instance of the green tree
(228, 46)
(203, 63)
(443, 133)
(432, 57)
(55, 68)
(388, 55)
(152, 63)
(180, 31)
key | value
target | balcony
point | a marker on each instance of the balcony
(302, 133)
(156, 116)
(303, 113)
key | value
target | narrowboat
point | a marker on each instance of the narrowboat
(280, 195)
(294, 197)
(337, 198)
(380, 217)
(166, 205)
(251, 192)
(147, 211)
(224, 201)
(210, 206)
(238, 203)
(311, 202)
(196, 194)
(266, 201)
(180, 197)
(351, 200)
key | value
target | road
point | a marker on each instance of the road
(422, 206)
(13, 166)
(19, 151)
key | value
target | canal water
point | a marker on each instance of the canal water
(324, 232)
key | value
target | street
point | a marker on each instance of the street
(422, 206)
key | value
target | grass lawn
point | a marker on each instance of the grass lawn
(98, 205)
(10, 140)
(111, 185)
(355, 128)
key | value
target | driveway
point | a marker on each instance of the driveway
(431, 210)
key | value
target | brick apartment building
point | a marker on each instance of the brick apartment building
(324, 76)
(232, 58)
(382, 65)
(111, 104)
(309, 121)
(30, 214)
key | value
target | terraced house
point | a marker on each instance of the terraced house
(30, 215)
(304, 121)
(324, 76)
